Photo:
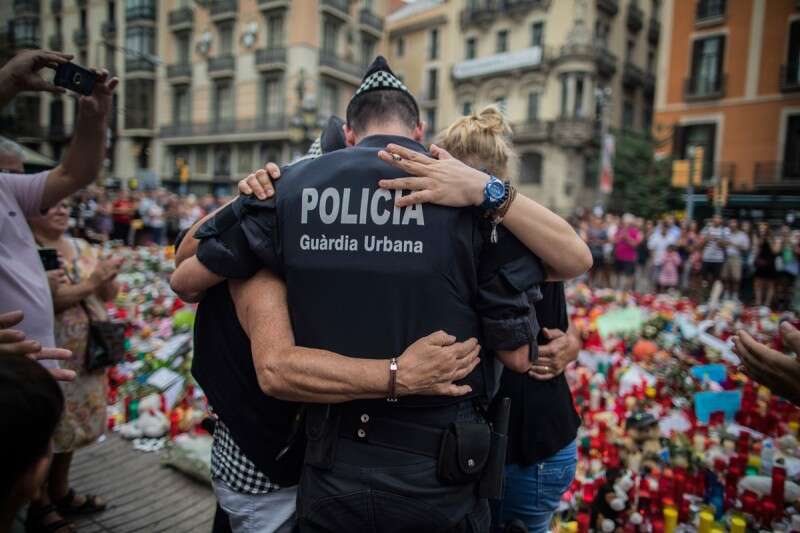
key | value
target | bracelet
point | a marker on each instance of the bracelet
(499, 214)
(392, 397)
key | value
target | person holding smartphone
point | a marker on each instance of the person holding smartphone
(23, 282)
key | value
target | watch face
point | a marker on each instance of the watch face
(496, 190)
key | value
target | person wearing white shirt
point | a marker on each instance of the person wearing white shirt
(658, 243)
(737, 245)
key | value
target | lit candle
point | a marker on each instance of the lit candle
(778, 484)
(706, 521)
(670, 519)
(738, 524)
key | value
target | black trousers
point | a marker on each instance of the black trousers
(371, 488)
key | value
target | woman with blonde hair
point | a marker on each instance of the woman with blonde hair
(542, 454)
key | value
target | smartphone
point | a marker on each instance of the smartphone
(49, 257)
(75, 78)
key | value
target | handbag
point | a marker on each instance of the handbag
(106, 346)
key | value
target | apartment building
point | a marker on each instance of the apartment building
(730, 83)
(216, 86)
(250, 81)
(555, 67)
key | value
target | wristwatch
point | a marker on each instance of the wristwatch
(494, 193)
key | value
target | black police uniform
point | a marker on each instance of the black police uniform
(366, 279)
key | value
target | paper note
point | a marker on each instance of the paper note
(714, 372)
(620, 321)
(163, 378)
(706, 403)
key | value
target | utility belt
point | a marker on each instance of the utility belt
(465, 452)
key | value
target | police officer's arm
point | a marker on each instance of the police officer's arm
(191, 280)
(448, 181)
(429, 366)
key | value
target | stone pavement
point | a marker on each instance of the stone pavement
(142, 494)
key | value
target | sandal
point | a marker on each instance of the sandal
(90, 506)
(34, 521)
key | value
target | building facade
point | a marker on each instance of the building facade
(210, 89)
(557, 68)
(730, 83)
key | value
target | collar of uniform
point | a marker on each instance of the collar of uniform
(380, 141)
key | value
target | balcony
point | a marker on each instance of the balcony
(370, 20)
(265, 124)
(605, 61)
(179, 72)
(344, 69)
(139, 64)
(109, 30)
(632, 76)
(696, 88)
(223, 9)
(56, 6)
(532, 131)
(500, 64)
(140, 120)
(485, 11)
(337, 7)
(482, 15)
(709, 13)
(140, 13)
(271, 58)
(221, 66)
(81, 37)
(649, 83)
(777, 174)
(56, 42)
(26, 41)
(790, 78)
(269, 5)
(573, 132)
(635, 18)
(26, 7)
(654, 31)
(609, 7)
(181, 18)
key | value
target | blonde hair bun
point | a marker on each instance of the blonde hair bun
(491, 119)
(481, 139)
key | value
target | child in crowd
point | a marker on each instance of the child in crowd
(669, 276)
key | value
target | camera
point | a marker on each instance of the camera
(75, 78)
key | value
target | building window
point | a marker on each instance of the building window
(139, 41)
(533, 106)
(578, 104)
(697, 135)
(183, 46)
(791, 148)
(226, 39)
(537, 34)
(502, 41)
(367, 51)
(275, 26)
(269, 153)
(330, 36)
(57, 113)
(467, 108)
(471, 48)
(244, 158)
(222, 160)
(271, 98)
(201, 160)
(590, 171)
(707, 60)
(112, 10)
(430, 121)
(181, 105)
(602, 30)
(400, 47)
(792, 75)
(26, 32)
(82, 18)
(329, 103)
(433, 44)
(651, 60)
(139, 96)
(710, 9)
(647, 117)
(630, 49)
(502, 104)
(433, 84)
(628, 113)
(531, 168)
(564, 94)
(223, 110)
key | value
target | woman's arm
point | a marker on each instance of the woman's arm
(289, 372)
(192, 279)
(107, 291)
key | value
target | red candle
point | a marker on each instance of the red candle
(778, 484)
(583, 522)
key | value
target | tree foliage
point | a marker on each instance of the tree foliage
(642, 184)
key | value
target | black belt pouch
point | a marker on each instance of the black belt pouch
(464, 452)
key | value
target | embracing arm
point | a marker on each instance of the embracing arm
(188, 246)
(192, 279)
(448, 181)
(289, 372)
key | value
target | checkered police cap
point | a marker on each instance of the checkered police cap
(379, 77)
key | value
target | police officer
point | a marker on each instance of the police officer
(365, 277)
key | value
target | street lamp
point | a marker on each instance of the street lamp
(304, 126)
(603, 97)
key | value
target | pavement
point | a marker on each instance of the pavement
(142, 494)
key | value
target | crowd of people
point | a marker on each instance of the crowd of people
(421, 415)
(755, 262)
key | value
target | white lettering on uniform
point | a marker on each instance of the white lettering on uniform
(329, 217)
(347, 218)
(414, 212)
(380, 218)
(362, 217)
(310, 199)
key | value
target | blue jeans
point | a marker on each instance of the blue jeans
(532, 493)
